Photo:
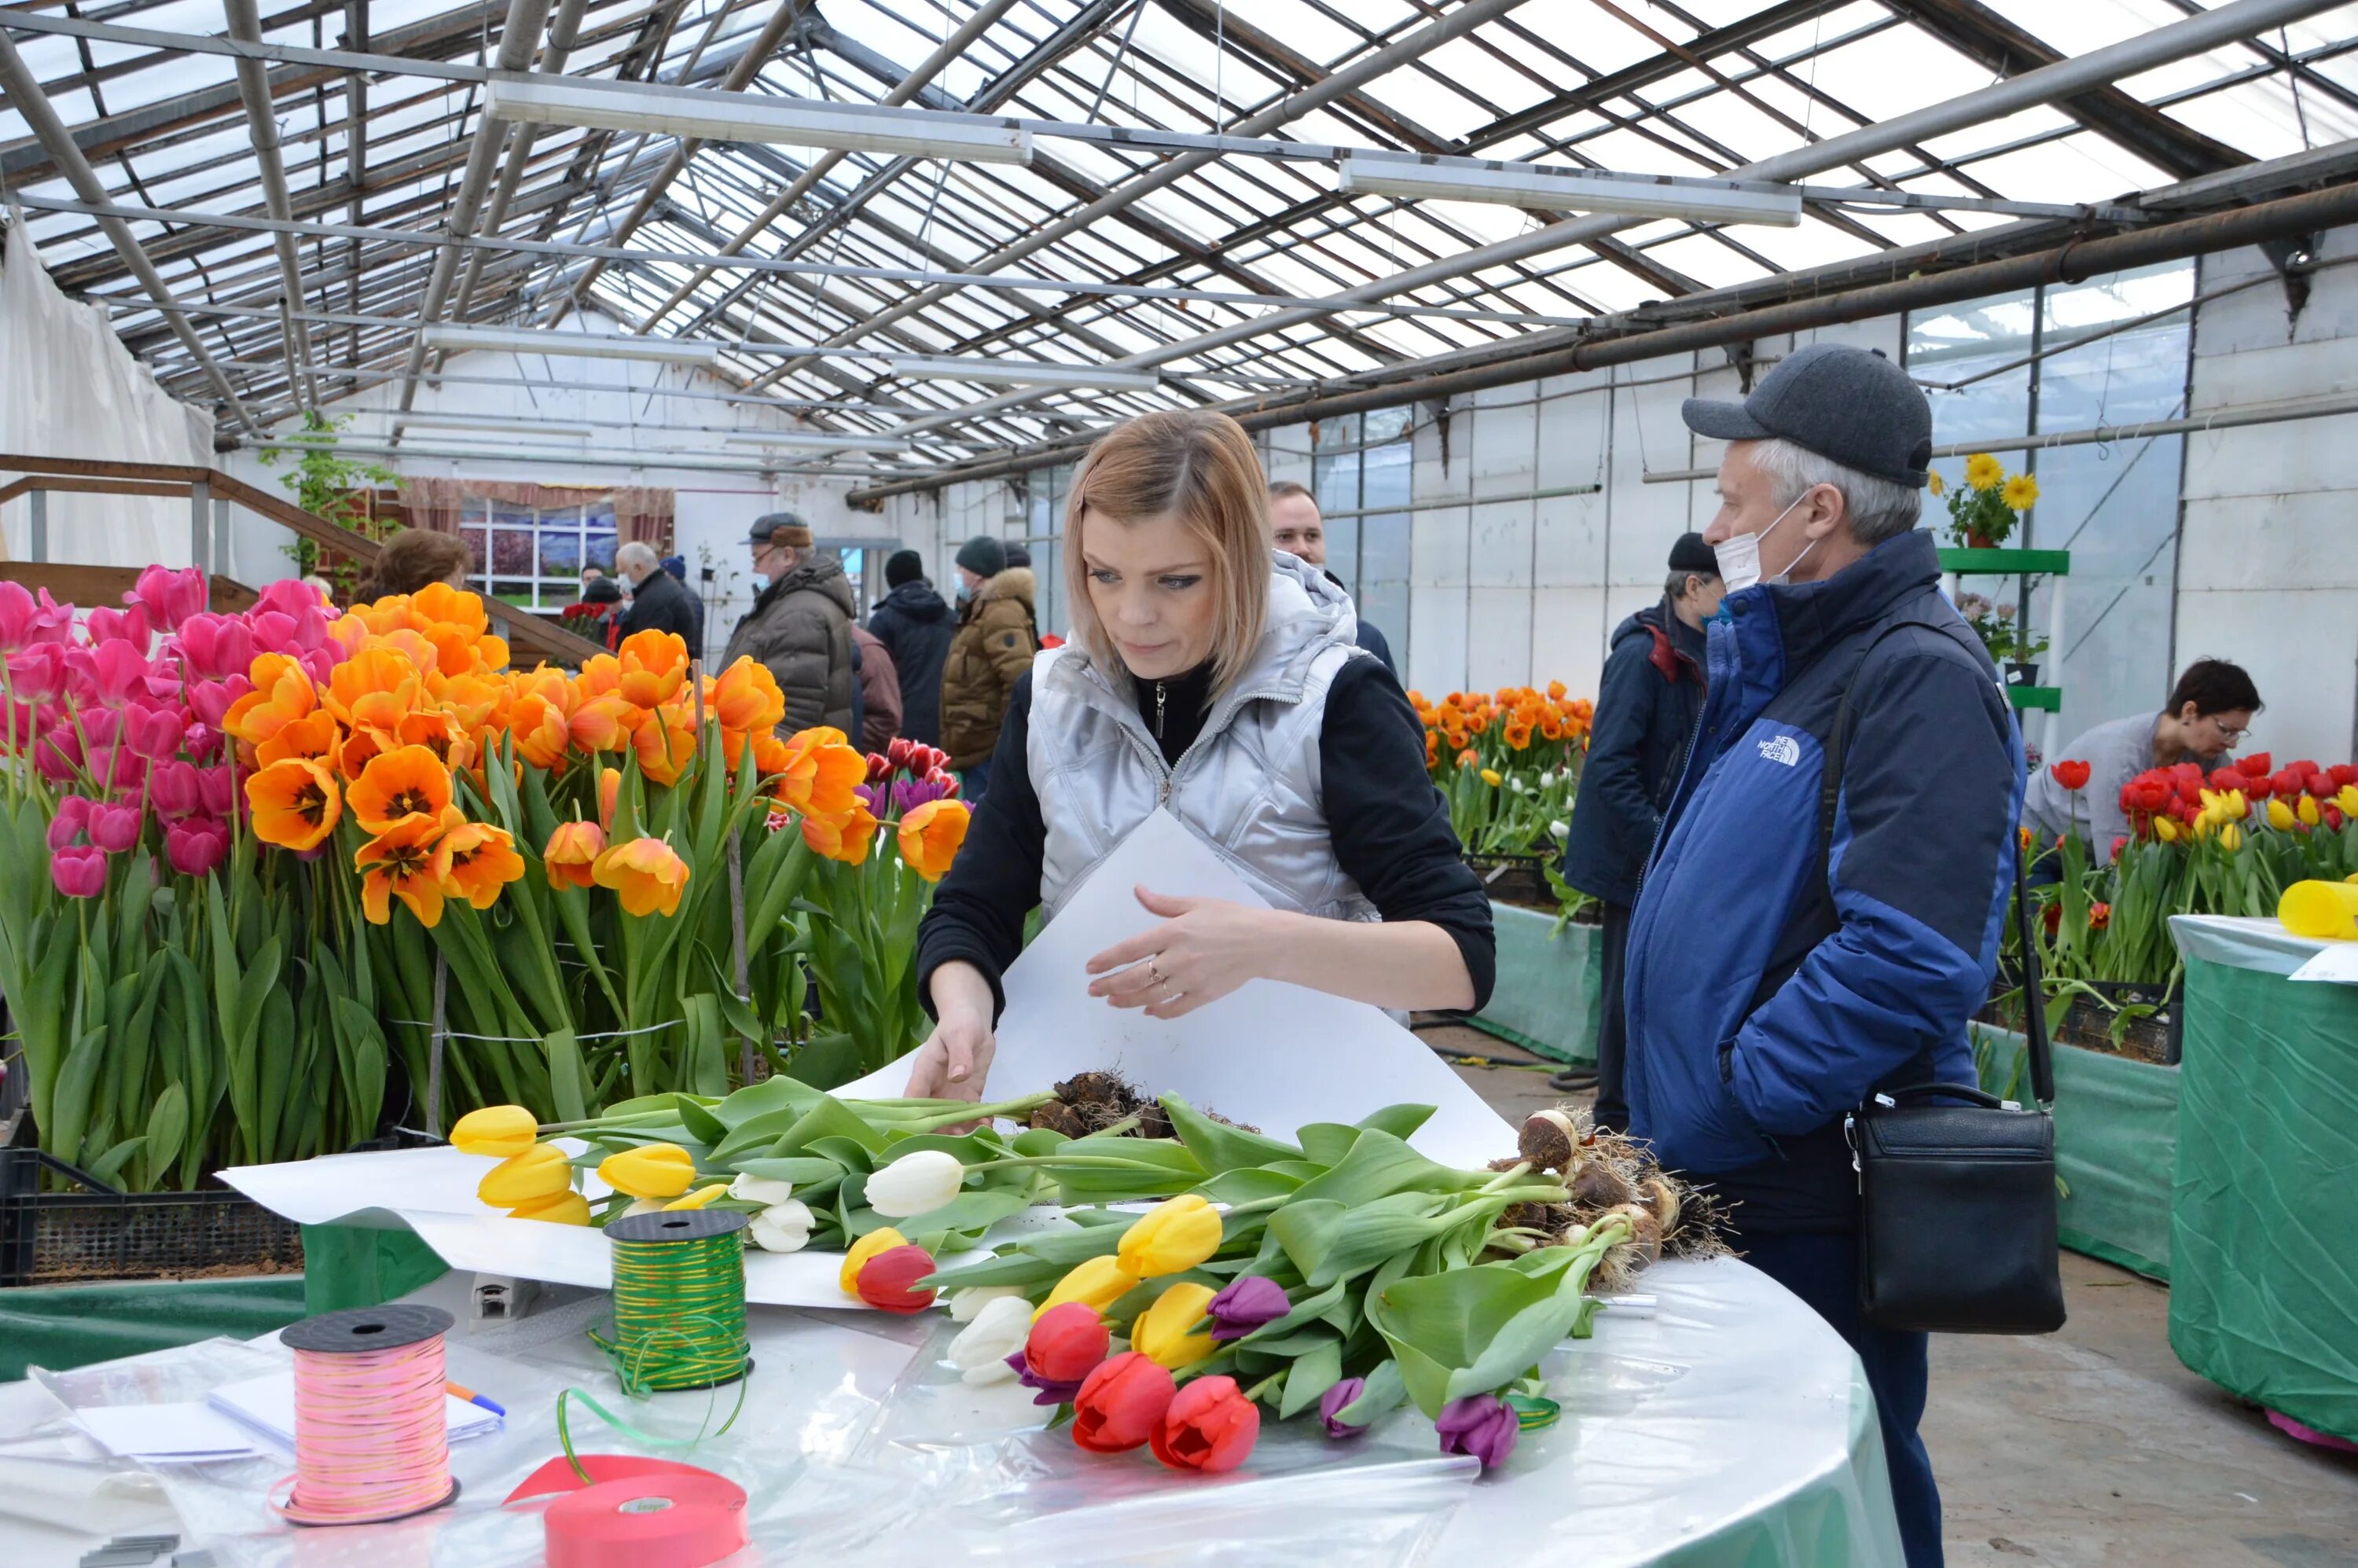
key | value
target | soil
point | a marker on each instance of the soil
(1103, 1102)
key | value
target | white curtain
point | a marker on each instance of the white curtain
(70, 389)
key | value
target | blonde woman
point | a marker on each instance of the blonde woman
(1213, 676)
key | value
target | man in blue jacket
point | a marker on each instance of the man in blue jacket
(1775, 978)
(1647, 704)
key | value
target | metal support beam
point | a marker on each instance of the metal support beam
(200, 527)
(37, 534)
(41, 117)
(253, 87)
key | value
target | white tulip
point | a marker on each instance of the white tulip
(761, 1189)
(998, 1330)
(966, 1304)
(645, 1206)
(1560, 829)
(915, 1184)
(782, 1227)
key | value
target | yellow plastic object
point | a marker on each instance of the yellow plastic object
(2327, 910)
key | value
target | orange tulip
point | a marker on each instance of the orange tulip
(1432, 749)
(296, 804)
(439, 731)
(665, 739)
(439, 604)
(820, 772)
(362, 746)
(572, 849)
(745, 699)
(402, 862)
(654, 667)
(601, 675)
(603, 724)
(848, 838)
(1519, 736)
(313, 736)
(930, 836)
(377, 687)
(1555, 691)
(475, 860)
(409, 780)
(542, 729)
(772, 757)
(282, 693)
(610, 790)
(647, 872)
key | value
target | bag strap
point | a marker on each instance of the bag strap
(2041, 1061)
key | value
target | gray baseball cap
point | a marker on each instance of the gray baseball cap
(1851, 404)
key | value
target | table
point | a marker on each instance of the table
(1724, 1425)
(2264, 1207)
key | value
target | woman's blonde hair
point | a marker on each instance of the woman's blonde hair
(1200, 468)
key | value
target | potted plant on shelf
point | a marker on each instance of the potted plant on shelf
(1983, 510)
(2011, 645)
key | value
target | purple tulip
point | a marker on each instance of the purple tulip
(79, 873)
(1480, 1425)
(1246, 1306)
(910, 794)
(1051, 1392)
(1333, 1401)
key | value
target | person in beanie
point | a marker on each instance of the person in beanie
(915, 626)
(1646, 706)
(1780, 971)
(991, 651)
(676, 568)
(800, 626)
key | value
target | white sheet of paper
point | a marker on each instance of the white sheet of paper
(1270, 1054)
(400, 1183)
(187, 1434)
(267, 1404)
(2337, 964)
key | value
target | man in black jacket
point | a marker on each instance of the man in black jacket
(658, 602)
(1646, 707)
(676, 568)
(915, 625)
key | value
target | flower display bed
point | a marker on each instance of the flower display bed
(1546, 998)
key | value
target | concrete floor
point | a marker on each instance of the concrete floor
(2088, 1448)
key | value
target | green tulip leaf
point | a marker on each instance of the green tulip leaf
(802, 1170)
(1400, 1120)
(1314, 1371)
(1379, 1165)
(1220, 1147)
(1326, 1142)
(1385, 1392)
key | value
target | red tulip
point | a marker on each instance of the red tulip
(2342, 772)
(2259, 786)
(1121, 1404)
(2322, 786)
(2304, 767)
(1066, 1343)
(880, 767)
(2120, 842)
(2053, 918)
(2070, 775)
(888, 1282)
(2255, 766)
(2099, 916)
(1210, 1426)
(2332, 814)
(2289, 783)
(2223, 779)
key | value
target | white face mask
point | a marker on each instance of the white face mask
(1739, 556)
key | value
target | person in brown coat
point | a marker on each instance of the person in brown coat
(879, 692)
(800, 626)
(991, 652)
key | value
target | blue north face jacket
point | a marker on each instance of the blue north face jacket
(1760, 1012)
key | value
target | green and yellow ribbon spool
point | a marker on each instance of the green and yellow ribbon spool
(679, 1301)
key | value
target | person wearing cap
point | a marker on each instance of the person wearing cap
(1777, 979)
(800, 626)
(991, 651)
(914, 625)
(658, 602)
(1646, 706)
(1299, 528)
(676, 568)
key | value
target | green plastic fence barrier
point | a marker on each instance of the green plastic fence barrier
(1546, 998)
(354, 1265)
(63, 1326)
(2264, 1232)
(2115, 1144)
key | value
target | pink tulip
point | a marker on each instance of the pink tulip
(216, 646)
(36, 672)
(118, 768)
(57, 754)
(96, 726)
(71, 822)
(274, 632)
(27, 621)
(79, 873)
(107, 672)
(287, 596)
(114, 828)
(154, 732)
(212, 699)
(19, 722)
(202, 740)
(216, 788)
(175, 790)
(127, 626)
(322, 662)
(197, 845)
(168, 597)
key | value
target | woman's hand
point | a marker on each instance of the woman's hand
(954, 1064)
(1205, 948)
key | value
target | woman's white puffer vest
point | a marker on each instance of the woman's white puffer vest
(1249, 788)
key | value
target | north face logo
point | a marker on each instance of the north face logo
(1783, 749)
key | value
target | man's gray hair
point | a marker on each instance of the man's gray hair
(1676, 583)
(1878, 509)
(637, 552)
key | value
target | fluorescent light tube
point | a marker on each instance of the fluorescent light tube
(708, 115)
(1021, 372)
(495, 423)
(817, 441)
(585, 345)
(1577, 190)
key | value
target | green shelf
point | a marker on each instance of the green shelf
(2005, 563)
(2045, 698)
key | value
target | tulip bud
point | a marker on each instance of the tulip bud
(994, 1333)
(1337, 1400)
(1480, 1425)
(915, 1184)
(1209, 1426)
(1170, 1332)
(567, 1207)
(698, 1199)
(1065, 1342)
(1118, 1406)
(966, 1304)
(783, 1227)
(655, 1171)
(750, 1188)
(501, 1130)
(1249, 1302)
(1097, 1282)
(856, 1257)
(540, 1172)
(888, 1282)
(1173, 1236)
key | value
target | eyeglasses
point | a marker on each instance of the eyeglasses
(2229, 734)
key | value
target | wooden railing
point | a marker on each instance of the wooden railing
(529, 638)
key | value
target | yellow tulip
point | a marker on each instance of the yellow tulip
(567, 1207)
(699, 1197)
(501, 1130)
(1490, 777)
(1174, 1332)
(2346, 797)
(2309, 811)
(1173, 1236)
(540, 1172)
(2280, 817)
(657, 1171)
(861, 1250)
(2166, 829)
(2235, 806)
(2231, 837)
(1099, 1282)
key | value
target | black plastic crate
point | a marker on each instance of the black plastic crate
(95, 1232)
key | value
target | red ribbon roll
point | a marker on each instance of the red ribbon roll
(647, 1521)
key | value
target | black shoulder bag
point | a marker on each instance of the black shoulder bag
(1956, 1186)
